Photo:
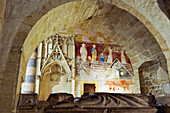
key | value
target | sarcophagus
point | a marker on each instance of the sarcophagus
(90, 103)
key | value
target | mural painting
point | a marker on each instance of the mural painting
(116, 84)
(104, 62)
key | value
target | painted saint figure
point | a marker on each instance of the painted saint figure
(94, 53)
(102, 57)
(109, 60)
(83, 52)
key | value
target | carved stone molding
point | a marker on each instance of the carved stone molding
(27, 101)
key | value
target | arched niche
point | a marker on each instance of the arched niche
(153, 78)
(35, 37)
(54, 79)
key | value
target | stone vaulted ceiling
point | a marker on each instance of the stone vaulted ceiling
(33, 21)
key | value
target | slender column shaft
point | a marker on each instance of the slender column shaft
(38, 67)
(29, 84)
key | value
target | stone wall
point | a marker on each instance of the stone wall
(16, 11)
(153, 78)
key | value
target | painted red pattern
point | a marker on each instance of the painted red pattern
(116, 84)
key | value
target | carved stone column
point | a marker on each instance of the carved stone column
(38, 67)
(29, 84)
(73, 66)
(50, 44)
(44, 51)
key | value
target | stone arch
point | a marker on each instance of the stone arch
(30, 21)
(28, 25)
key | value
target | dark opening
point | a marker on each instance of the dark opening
(89, 88)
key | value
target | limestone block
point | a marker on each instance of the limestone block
(36, 15)
(132, 23)
(157, 81)
(30, 20)
(144, 55)
(137, 65)
(162, 74)
(167, 88)
(119, 17)
(14, 8)
(148, 83)
(158, 93)
(150, 42)
(13, 58)
(154, 67)
(12, 68)
(155, 50)
(158, 57)
(135, 59)
(48, 6)
(132, 52)
(20, 38)
(139, 33)
(153, 74)
(146, 74)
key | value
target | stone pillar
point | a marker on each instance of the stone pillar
(44, 51)
(64, 50)
(38, 67)
(29, 84)
(50, 47)
(73, 66)
(78, 88)
(2, 14)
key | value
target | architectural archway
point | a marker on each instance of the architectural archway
(49, 21)
(161, 48)
(94, 11)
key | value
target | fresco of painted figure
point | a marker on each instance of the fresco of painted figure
(83, 52)
(109, 60)
(94, 53)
